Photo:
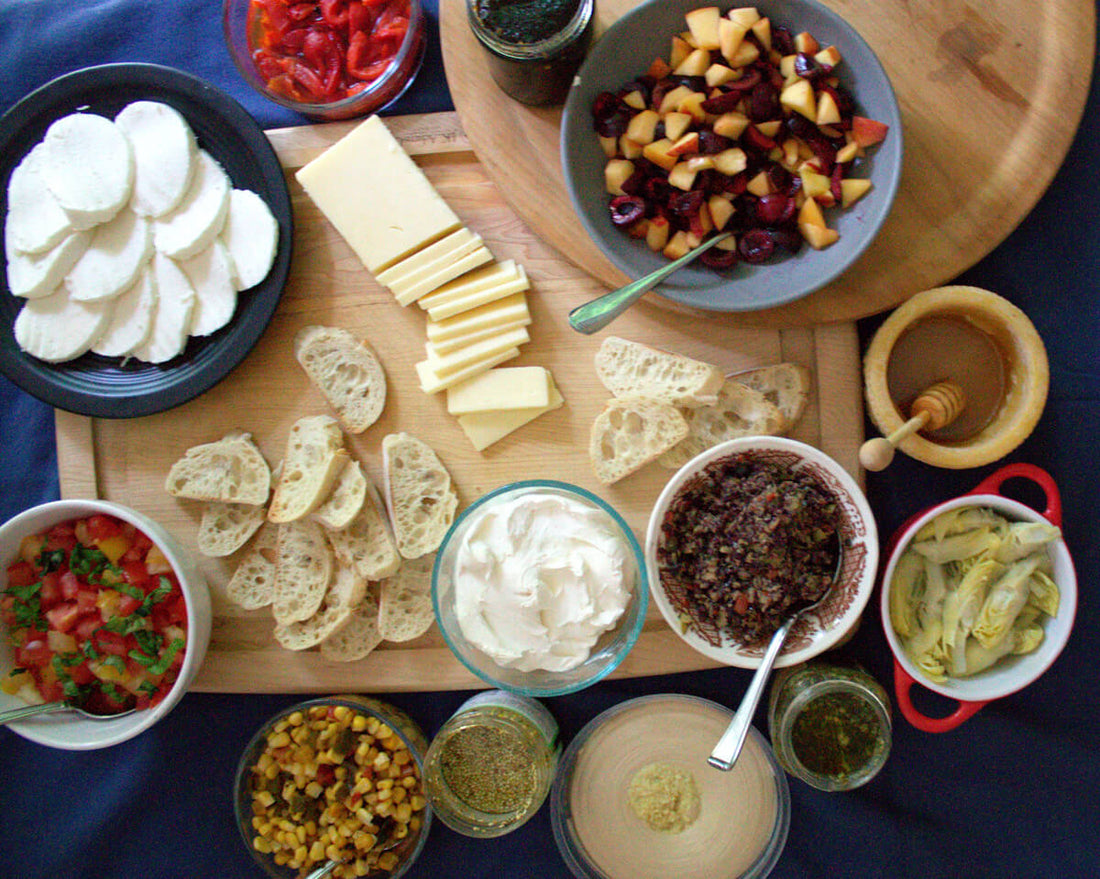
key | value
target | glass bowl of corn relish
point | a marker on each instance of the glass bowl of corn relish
(101, 608)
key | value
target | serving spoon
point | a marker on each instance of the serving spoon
(596, 314)
(52, 708)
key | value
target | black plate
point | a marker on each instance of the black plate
(101, 386)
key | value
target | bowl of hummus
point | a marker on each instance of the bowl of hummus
(539, 588)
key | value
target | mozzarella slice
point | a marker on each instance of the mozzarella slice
(118, 252)
(57, 327)
(175, 303)
(251, 234)
(132, 319)
(36, 222)
(199, 218)
(164, 155)
(211, 274)
(33, 275)
(88, 166)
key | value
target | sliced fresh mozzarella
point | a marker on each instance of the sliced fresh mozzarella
(211, 274)
(164, 155)
(252, 235)
(33, 275)
(120, 249)
(175, 303)
(36, 222)
(131, 321)
(88, 166)
(199, 218)
(57, 327)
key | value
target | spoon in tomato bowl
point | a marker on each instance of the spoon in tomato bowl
(52, 708)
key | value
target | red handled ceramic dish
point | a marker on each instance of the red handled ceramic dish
(978, 597)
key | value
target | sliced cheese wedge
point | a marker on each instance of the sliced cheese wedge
(132, 318)
(199, 217)
(164, 155)
(476, 298)
(455, 342)
(485, 428)
(88, 166)
(487, 276)
(510, 387)
(36, 222)
(119, 250)
(57, 327)
(444, 365)
(448, 248)
(509, 310)
(251, 235)
(175, 302)
(436, 279)
(32, 275)
(211, 276)
(432, 383)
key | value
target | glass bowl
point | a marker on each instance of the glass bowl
(743, 817)
(241, 27)
(611, 647)
(401, 726)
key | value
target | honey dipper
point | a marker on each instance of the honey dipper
(935, 407)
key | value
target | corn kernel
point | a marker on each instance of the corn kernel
(362, 868)
(317, 850)
(385, 784)
(387, 861)
(399, 794)
(358, 723)
(314, 789)
(278, 740)
(417, 801)
(403, 812)
(414, 823)
(333, 853)
(261, 844)
(300, 833)
(364, 842)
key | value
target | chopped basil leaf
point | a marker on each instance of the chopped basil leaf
(28, 614)
(141, 659)
(24, 593)
(15, 672)
(161, 665)
(89, 650)
(50, 560)
(115, 662)
(132, 591)
(83, 561)
(67, 660)
(125, 625)
(148, 642)
(98, 577)
(148, 688)
(156, 596)
(111, 691)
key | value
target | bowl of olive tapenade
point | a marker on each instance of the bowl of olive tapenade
(750, 531)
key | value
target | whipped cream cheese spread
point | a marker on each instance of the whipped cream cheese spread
(538, 578)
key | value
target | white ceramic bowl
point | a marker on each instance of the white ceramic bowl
(609, 650)
(71, 731)
(819, 629)
(1012, 673)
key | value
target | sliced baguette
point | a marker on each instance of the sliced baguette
(346, 371)
(786, 385)
(420, 496)
(631, 432)
(344, 593)
(303, 571)
(405, 601)
(226, 527)
(315, 455)
(231, 469)
(252, 585)
(631, 369)
(358, 636)
(366, 543)
(345, 500)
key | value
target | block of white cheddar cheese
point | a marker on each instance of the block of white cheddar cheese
(426, 283)
(509, 387)
(446, 249)
(477, 298)
(485, 428)
(376, 196)
(509, 310)
(444, 365)
(432, 383)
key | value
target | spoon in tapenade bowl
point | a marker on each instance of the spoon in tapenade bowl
(52, 708)
(728, 749)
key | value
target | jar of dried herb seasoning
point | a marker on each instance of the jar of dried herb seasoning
(534, 46)
(830, 724)
(490, 766)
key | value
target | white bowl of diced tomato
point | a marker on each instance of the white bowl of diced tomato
(101, 607)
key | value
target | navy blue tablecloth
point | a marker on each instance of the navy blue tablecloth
(1012, 793)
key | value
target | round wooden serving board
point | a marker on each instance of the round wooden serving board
(990, 94)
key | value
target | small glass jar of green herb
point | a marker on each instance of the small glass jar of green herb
(491, 765)
(830, 724)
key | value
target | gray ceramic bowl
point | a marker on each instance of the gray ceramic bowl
(624, 52)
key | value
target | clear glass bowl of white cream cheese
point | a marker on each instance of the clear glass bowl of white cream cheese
(540, 588)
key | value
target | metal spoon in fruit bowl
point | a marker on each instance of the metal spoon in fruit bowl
(593, 316)
(52, 708)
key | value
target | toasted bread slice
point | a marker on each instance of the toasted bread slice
(740, 411)
(231, 469)
(420, 495)
(359, 634)
(315, 455)
(346, 371)
(786, 385)
(225, 528)
(367, 543)
(303, 571)
(631, 369)
(345, 500)
(405, 601)
(252, 585)
(631, 432)
(344, 593)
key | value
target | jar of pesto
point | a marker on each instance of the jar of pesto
(830, 724)
(534, 46)
(490, 766)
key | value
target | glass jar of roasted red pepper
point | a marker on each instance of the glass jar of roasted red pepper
(327, 59)
(534, 46)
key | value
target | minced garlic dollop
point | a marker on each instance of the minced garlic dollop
(665, 797)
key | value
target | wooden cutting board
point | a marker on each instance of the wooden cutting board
(127, 460)
(991, 94)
